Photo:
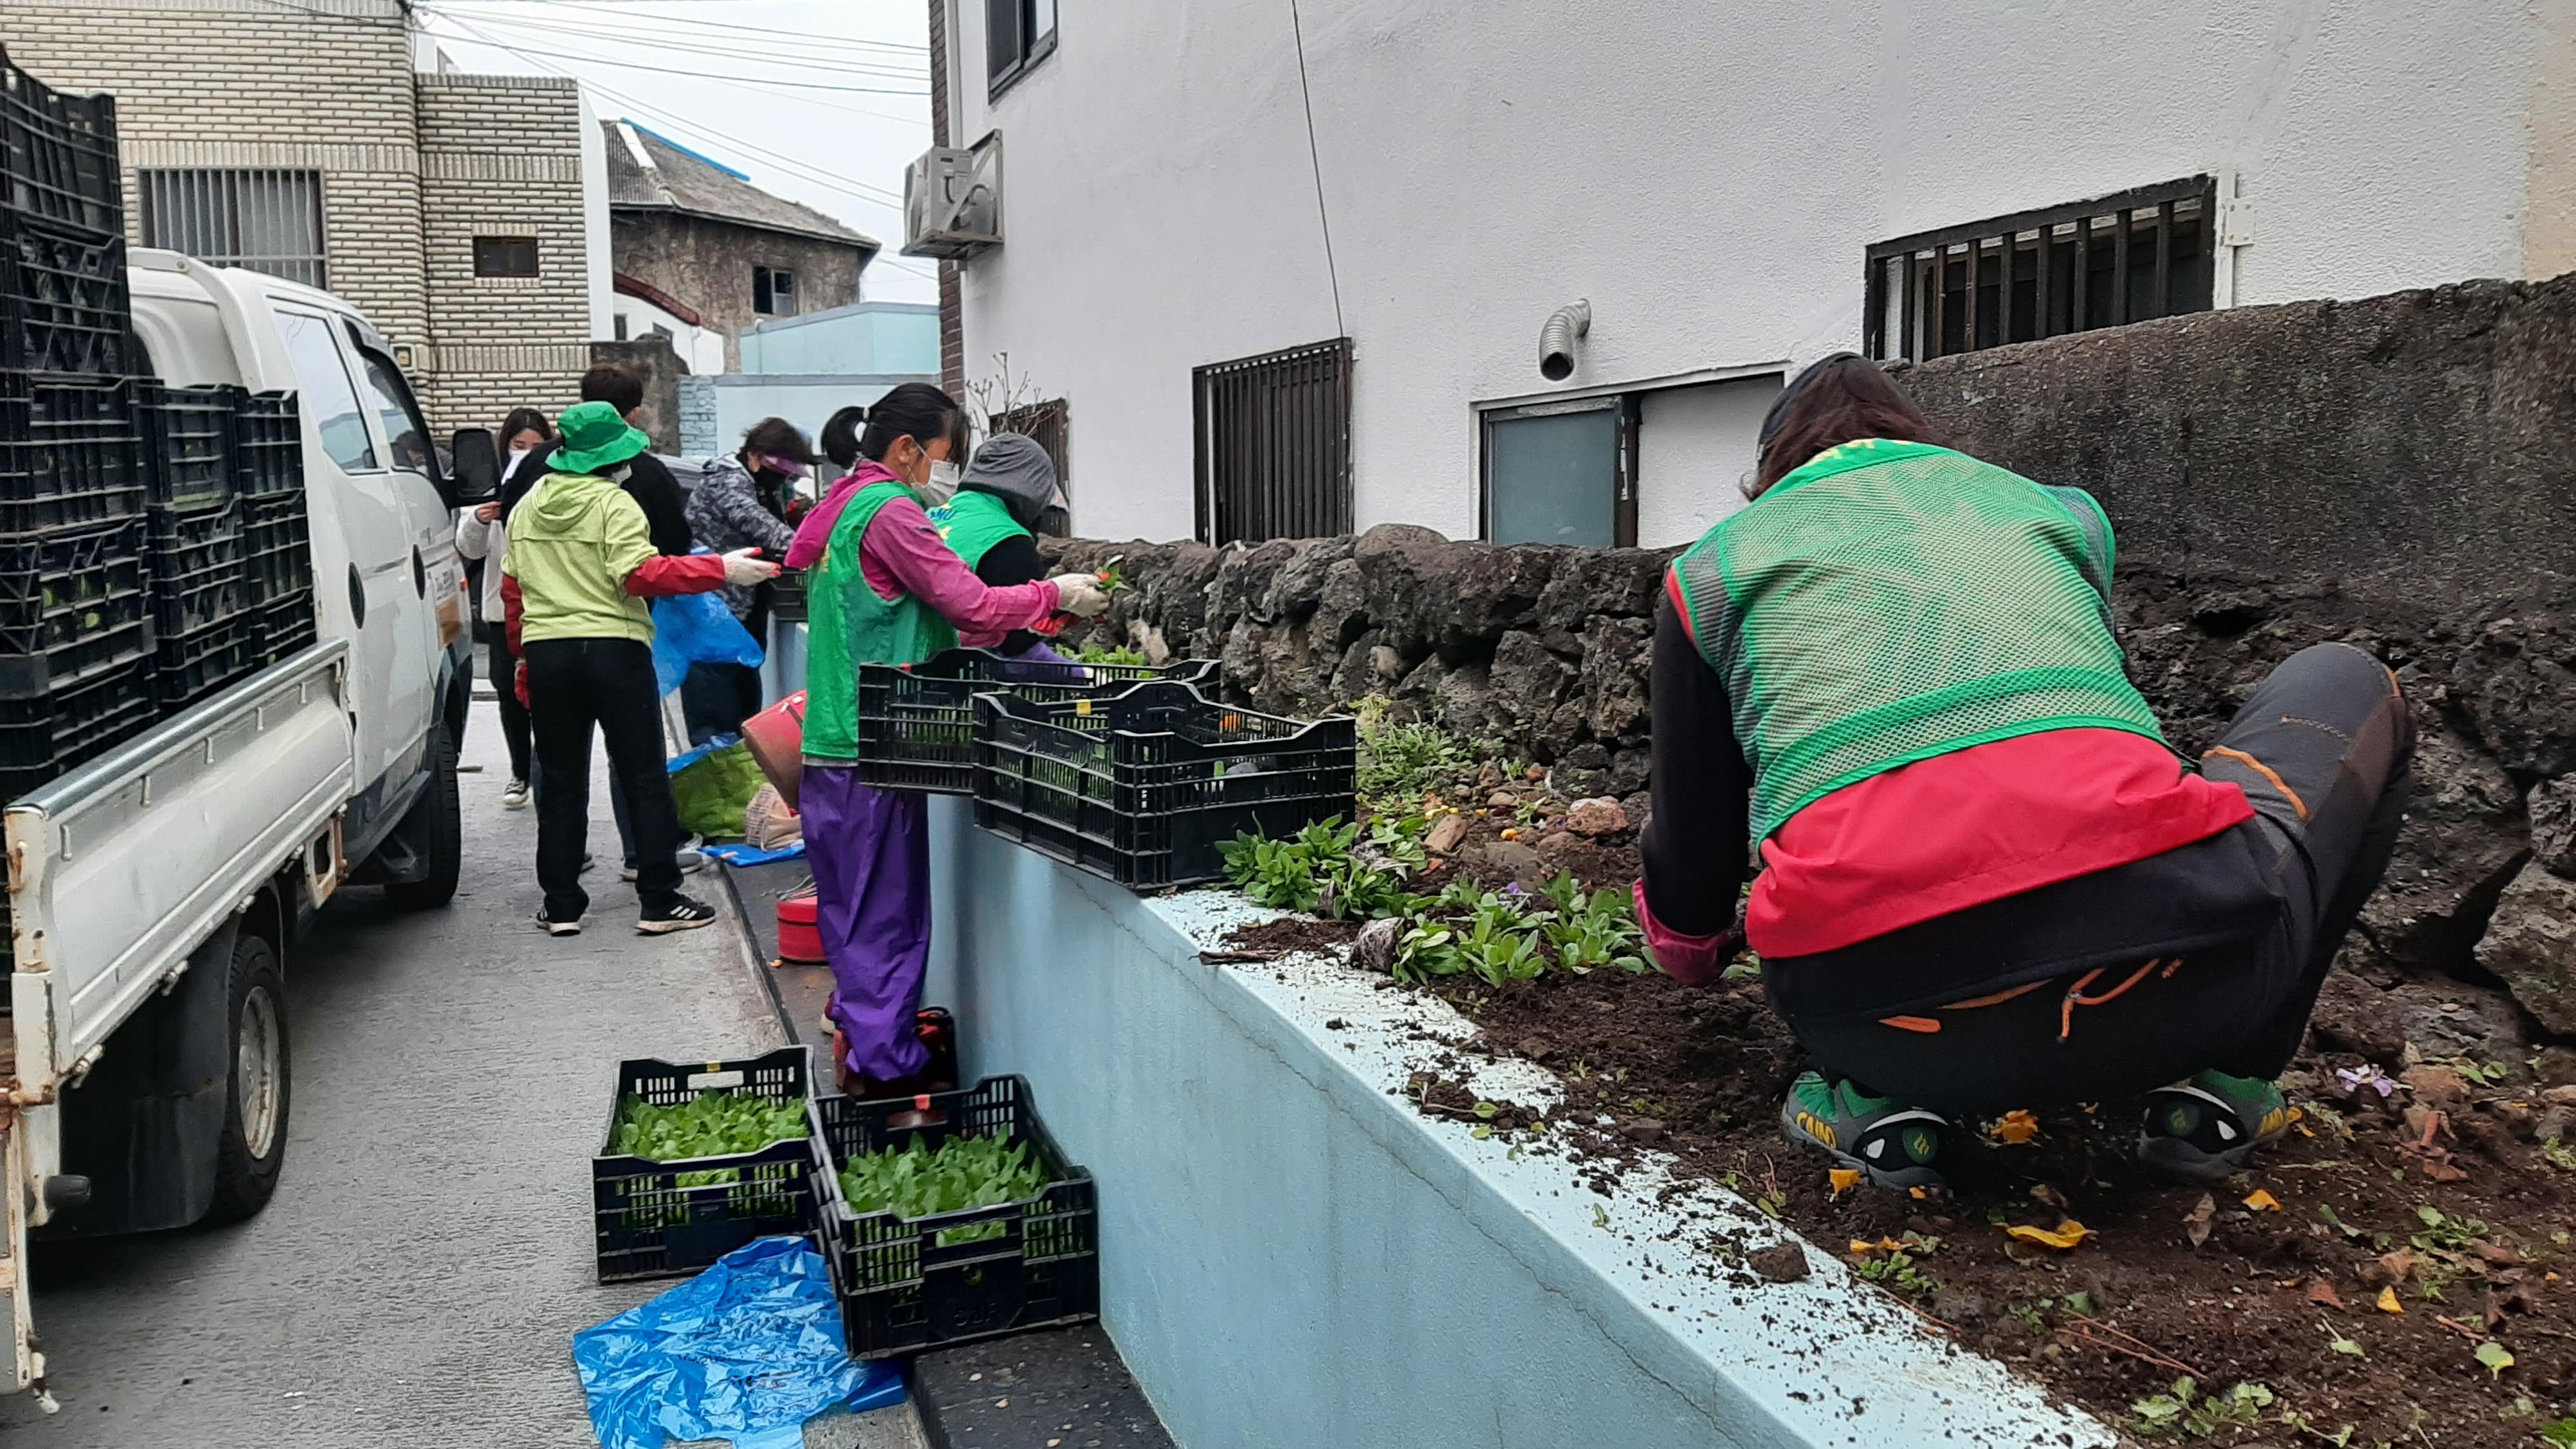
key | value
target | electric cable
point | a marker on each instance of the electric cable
(1315, 159)
(617, 10)
(874, 69)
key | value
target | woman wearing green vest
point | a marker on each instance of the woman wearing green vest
(1986, 882)
(989, 523)
(882, 588)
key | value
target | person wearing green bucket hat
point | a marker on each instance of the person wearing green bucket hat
(580, 569)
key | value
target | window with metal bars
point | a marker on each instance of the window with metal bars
(268, 221)
(1049, 424)
(2139, 254)
(1274, 444)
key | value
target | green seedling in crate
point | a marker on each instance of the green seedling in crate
(711, 1124)
(912, 1181)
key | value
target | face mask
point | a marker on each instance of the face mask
(619, 473)
(942, 485)
(783, 467)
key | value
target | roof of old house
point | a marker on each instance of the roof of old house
(647, 172)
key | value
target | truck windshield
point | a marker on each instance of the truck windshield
(329, 397)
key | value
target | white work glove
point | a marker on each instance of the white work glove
(742, 569)
(1080, 595)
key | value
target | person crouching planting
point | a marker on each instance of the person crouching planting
(882, 588)
(580, 567)
(1988, 883)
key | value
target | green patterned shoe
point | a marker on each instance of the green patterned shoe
(2202, 1129)
(1892, 1145)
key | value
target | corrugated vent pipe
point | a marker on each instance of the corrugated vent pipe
(1565, 327)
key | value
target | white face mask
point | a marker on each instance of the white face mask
(620, 473)
(942, 485)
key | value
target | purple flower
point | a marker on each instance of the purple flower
(2366, 1075)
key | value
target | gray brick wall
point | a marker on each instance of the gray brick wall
(698, 417)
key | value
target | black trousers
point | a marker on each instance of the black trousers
(2104, 987)
(502, 668)
(574, 687)
(716, 698)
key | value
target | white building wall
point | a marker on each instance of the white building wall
(1706, 172)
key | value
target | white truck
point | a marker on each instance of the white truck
(155, 894)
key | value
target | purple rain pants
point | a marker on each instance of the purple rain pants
(870, 850)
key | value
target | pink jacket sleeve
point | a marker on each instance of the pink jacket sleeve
(902, 553)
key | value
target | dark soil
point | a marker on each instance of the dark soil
(2281, 1297)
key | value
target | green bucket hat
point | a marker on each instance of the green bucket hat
(596, 437)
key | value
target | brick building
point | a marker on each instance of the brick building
(329, 142)
(696, 234)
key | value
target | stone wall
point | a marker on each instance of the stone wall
(708, 264)
(2399, 472)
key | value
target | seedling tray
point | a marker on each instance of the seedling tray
(70, 454)
(277, 553)
(917, 721)
(60, 160)
(188, 667)
(667, 1219)
(787, 597)
(268, 444)
(1143, 787)
(902, 1289)
(285, 626)
(187, 443)
(63, 300)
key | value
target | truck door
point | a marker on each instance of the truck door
(438, 608)
(363, 579)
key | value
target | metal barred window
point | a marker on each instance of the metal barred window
(1274, 444)
(268, 221)
(2128, 257)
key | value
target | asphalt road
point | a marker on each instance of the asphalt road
(429, 1254)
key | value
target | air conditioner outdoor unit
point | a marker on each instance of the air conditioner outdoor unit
(952, 200)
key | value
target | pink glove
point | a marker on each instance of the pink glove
(1691, 960)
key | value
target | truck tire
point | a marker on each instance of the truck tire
(436, 828)
(259, 1089)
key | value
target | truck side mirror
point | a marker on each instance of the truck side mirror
(477, 474)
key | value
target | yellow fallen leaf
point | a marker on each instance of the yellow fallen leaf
(2017, 1128)
(2388, 1301)
(2064, 1236)
(1863, 1247)
(1919, 1194)
(1842, 1179)
(2263, 1202)
(1511, 835)
(1860, 1247)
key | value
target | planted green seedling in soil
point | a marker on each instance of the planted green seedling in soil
(913, 1181)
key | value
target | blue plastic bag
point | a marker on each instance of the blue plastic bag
(697, 629)
(748, 1351)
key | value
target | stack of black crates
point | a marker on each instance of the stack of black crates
(76, 611)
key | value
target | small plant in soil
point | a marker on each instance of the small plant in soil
(913, 1181)
(1316, 871)
(2182, 1412)
(1403, 761)
(1108, 654)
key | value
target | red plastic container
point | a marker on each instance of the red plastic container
(798, 940)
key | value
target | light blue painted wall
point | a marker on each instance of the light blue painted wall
(885, 337)
(742, 399)
(1291, 1258)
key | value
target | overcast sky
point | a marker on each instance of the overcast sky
(822, 101)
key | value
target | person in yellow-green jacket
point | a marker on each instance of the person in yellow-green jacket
(580, 568)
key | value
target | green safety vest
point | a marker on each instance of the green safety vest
(974, 523)
(847, 624)
(1894, 601)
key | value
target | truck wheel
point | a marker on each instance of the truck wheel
(436, 827)
(253, 1146)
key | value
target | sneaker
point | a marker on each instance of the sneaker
(1891, 1145)
(558, 928)
(682, 914)
(514, 796)
(2202, 1129)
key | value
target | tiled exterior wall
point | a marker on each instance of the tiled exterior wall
(412, 166)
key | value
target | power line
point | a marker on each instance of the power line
(598, 10)
(877, 66)
(1297, 28)
(804, 171)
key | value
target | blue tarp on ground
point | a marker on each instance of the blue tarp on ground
(748, 1351)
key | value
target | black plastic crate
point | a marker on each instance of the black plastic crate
(69, 452)
(277, 547)
(43, 737)
(63, 300)
(665, 1219)
(1143, 787)
(908, 1284)
(60, 158)
(787, 597)
(285, 626)
(189, 667)
(917, 721)
(268, 444)
(56, 585)
(83, 642)
(197, 575)
(187, 443)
